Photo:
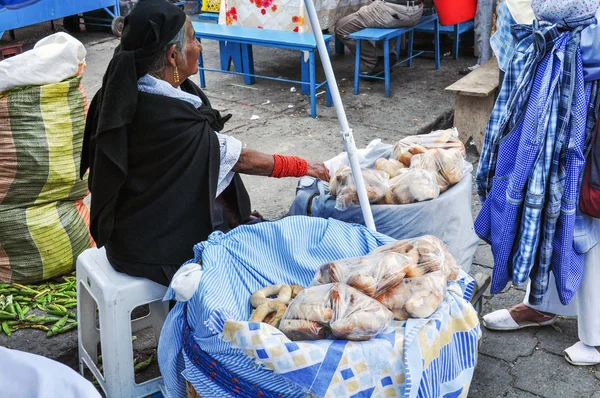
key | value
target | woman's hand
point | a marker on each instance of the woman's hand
(318, 170)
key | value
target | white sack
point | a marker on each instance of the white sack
(52, 59)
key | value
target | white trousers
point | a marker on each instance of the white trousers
(586, 303)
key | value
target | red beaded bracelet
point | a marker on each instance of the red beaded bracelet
(289, 166)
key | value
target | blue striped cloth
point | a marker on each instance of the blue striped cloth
(248, 258)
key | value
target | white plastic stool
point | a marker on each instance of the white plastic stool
(115, 295)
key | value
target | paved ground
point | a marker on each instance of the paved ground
(520, 364)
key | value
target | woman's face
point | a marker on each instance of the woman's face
(189, 63)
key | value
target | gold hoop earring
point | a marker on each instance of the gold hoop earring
(176, 75)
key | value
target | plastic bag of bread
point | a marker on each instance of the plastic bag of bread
(412, 185)
(417, 297)
(371, 274)
(343, 188)
(392, 167)
(417, 144)
(335, 309)
(431, 255)
(449, 165)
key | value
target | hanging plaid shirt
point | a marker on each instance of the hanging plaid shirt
(543, 130)
(553, 116)
(502, 144)
(503, 42)
(512, 100)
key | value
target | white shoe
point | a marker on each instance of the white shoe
(501, 320)
(580, 354)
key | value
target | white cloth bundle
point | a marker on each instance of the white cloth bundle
(52, 59)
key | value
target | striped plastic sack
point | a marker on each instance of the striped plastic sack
(44, 224)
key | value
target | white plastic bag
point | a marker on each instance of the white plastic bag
(52, 59)
(366, 156)
(337, 309)
(343, 188)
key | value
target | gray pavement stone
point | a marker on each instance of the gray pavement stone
(556, 339)
(491, 379)
(509, 297)
(62, 348)
(508, 346)
(483, 255)
(516, 393)
(550, 376)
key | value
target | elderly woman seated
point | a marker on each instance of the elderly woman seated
(162, 177)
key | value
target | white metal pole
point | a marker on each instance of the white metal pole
(345, 130)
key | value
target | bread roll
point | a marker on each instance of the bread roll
(310, 312)
(417, 297)
(415, 185)
(429, 253)
(451, 165)
(297, 329)
(392, 167)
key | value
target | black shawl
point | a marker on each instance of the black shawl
(153, 160)
(165, 204)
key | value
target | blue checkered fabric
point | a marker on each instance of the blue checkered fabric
(567, 263)
(512, 100)
(498, 220)
(502, 41)
(534, 153)
(544, 123)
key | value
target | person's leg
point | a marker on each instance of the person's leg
(483, 29)
(350, 24)
(400, 16)
(483, 32)
(588, 298)
(529, 314)
(378, 14)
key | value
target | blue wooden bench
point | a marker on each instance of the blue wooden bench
(377, 34)
(247, 37)
(206, 16)
(451, 30)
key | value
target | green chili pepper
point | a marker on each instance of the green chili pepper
(19, 311)
(6, 328)
(42, 293)
(68, 327)
(11, 309)
(31, 326)
(56, 307)
(70, 305)
(21, 298)
(143, 365)
(56, 327)
(41, 319)
(6, 315)
(55, 312)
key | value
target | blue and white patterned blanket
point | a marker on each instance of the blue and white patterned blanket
(207, 342)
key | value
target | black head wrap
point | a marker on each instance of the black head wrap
(148, 29)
